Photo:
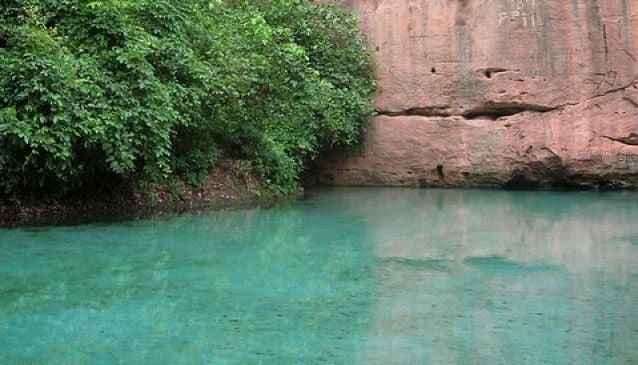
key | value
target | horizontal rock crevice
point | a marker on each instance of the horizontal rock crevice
(417, 111)
(495, 111)
(489, 110)
(630, 140)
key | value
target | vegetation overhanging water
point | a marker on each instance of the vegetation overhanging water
(135, 93)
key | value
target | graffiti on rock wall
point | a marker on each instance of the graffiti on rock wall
(520, 12)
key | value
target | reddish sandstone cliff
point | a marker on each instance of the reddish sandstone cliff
(499, 92)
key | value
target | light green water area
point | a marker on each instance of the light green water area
(346, 276)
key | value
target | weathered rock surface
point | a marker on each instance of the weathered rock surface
(499, 92)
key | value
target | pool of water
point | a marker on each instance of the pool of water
(346, 276)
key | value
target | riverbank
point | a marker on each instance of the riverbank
(228, 186)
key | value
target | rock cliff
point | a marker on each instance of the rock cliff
(538, 93)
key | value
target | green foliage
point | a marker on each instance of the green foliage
(143, 90)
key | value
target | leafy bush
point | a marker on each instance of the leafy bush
(143, 90)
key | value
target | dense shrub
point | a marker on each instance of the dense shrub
(143, 90)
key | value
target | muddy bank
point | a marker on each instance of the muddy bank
(227, 187)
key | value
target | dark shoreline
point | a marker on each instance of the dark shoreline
(106, 212)
(226, 188)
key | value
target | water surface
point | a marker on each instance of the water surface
(347, 276)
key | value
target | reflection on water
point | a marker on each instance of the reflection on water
(348, 276)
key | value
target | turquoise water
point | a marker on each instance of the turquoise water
(346, 276)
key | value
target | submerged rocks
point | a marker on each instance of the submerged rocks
(532, 93)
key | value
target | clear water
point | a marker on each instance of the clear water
(347, 276)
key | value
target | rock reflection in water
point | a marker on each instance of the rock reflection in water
(487, 277)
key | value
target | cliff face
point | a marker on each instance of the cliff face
(499, 92)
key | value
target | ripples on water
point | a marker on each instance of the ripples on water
(348, 276)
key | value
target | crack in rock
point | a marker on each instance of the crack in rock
(423, 112)
(495, 111)
(631, 101)
(630, 140)
(491, 71)
(490, 110)
(610, 91)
